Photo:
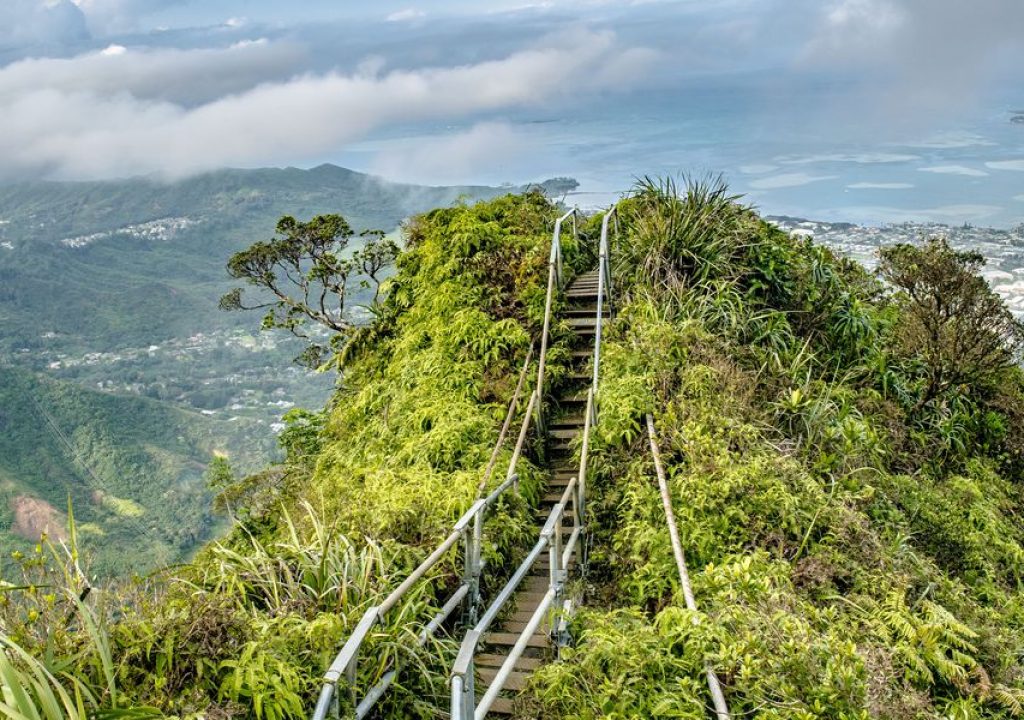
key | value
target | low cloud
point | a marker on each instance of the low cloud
(880, 186)
(36, 24)
(788, 180)
(106, 17)
(406, 15)
(64, 129)
(954, 170)
(883, 214)
(185, 77)
(916, 56)
(490, 147)
(757, 169)
(1017, 165)
(865, 158)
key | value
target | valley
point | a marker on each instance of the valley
(120, 377)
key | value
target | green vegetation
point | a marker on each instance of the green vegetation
(60, 442)
(367, 489)
(851, 524)
(137, 277)
(308, 273)
(114, 285)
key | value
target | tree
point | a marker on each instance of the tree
(950, 318)
(309, 277)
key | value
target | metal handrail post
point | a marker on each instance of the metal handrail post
(555, 555)
(469, 570)
(463, 679)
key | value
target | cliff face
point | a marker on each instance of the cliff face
(853, 537)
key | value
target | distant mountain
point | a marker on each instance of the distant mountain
(113, 287)
(99, 265)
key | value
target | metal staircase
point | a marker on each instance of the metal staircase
(497, 657)
(532, 633)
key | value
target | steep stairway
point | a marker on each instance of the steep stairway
(567, 420)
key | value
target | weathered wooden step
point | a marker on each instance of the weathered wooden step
(496, 660)
(569, 420)
(515, 682)
(501, 706)
(508, 639)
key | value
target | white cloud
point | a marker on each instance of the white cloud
(30, 23)
(862, 158)
(757, 169)
(117, 16)
(60, 130)
(880, 186)
(951, 141)
(186, 77)
(913, 56)
(1017, 165)
(1019, 198)
(455, 159)
(406, 15)
(954, 170)
(787, 180)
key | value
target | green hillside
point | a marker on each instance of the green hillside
(132, 468)
(843, 450)
(126, 284)
(115, 285)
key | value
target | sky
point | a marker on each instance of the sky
(870, 110)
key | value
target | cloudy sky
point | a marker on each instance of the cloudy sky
(781, 94)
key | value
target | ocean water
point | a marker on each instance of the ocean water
(814, 151)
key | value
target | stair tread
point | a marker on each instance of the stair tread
(501, 706)
(496, 660)
(583, 321)
(537, 640)
(515, 681)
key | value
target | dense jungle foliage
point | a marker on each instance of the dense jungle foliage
(853, 527)
(849, 504)
(60, 442)
(368, 488)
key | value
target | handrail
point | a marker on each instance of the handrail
(492, 461)
(714, 687)
(347, 659)
(604, 287)
(554, 278)
(464, 705)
